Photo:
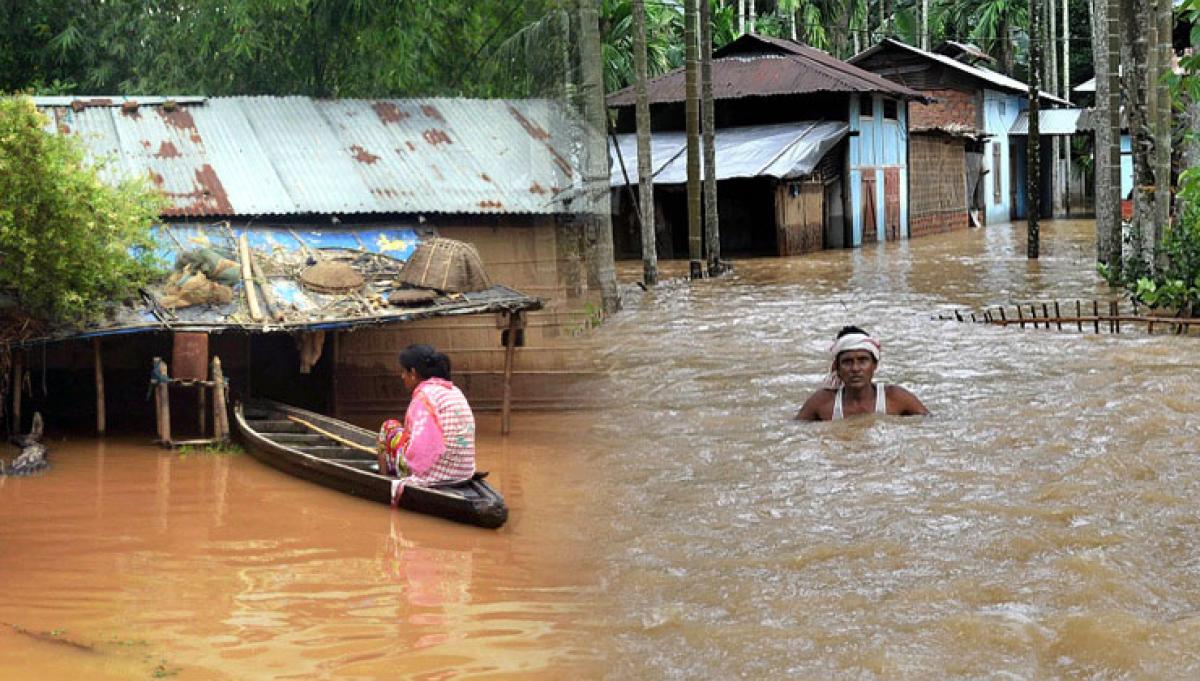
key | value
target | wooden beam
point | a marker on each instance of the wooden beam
(248, 279)
(18, 385)
(164, 405)
(220, 416)
(510, 351)
(97, 358)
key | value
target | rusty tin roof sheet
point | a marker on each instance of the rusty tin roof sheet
(988, 77)
(757, 66)
(243, 156)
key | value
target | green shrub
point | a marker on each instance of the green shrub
(70, 242)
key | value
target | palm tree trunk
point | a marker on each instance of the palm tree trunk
(1163, 143)
(1056, 177)
(1065, 93)
(752, 16)
(712, 230)
(692, 113)
(1107, 58)
(598, 228)
(1033, 160)
(1142, 107)
(645, 162)
(741, 17)
(924, 24)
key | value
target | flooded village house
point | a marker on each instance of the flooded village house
(964, 164)
(811, 153)
(365, 179)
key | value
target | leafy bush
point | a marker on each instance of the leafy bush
(70, 242)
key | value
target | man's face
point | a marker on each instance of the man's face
(856, 368)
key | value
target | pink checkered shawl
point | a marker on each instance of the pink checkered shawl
(437, 408)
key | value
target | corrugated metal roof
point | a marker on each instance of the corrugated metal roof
(242, 156)
(1050, 122)
(756, 65)
(781, 151)
(998, 80)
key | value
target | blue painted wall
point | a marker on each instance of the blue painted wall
(1000, 111)
(880, 143)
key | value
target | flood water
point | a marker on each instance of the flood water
(1041, 524)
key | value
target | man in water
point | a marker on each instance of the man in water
(849, 389)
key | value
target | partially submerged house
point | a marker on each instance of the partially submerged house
(964, 131)
(811, 153)
(360, 181)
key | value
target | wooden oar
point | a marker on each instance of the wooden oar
(331, 436)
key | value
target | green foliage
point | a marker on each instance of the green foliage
(323, 48)
(69, 241)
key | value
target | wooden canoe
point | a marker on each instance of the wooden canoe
(281, 442)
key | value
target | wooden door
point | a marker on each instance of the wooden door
(891, 203)
(869, 236)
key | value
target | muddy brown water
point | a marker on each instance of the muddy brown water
(1042, 524)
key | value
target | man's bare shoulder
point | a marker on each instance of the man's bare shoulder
(817, 403)
(907, 403)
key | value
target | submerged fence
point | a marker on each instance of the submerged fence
(1082, 316)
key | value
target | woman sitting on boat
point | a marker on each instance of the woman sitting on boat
(436, 443)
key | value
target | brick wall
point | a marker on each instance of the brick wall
(937, 223)
(953, 107)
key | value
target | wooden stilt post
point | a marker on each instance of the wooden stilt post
(1020, 317)
(1079, 315)
(220, 417)
(1096, 314)
(1003, 317)
(333, 374)
(510, 351)
(1115, 306)
(202, 399)
(101, 421)
(164, 404)
(18, 385)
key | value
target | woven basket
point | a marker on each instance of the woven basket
(445, 265)
(332, 277)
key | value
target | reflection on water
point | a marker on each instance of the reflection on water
(1040, 524)
(214, 566)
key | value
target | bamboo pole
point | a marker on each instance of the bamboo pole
(220, 417)
(274, 309)
(97, 359)
(510, 351)
(164, 403)
(202, 399)
(248, 278)
(336, 438)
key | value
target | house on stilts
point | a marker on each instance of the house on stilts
(811, 153)
(358, 183)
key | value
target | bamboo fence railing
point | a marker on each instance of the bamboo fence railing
(1094, 316)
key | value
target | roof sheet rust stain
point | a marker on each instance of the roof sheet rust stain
(560, 161)
(131, 111)
(167, 150)
(485, 177)
(435, 136)
(385, 192)
(535, 131)
(145, 143)
(362, 155)
(490, 204)
(432, 112)
(411, 146)
(179, 118)
(536, 188)
(389, 113)
(156, 178)
(207, 197)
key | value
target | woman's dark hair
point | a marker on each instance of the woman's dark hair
(847, 330)
(427, 362)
